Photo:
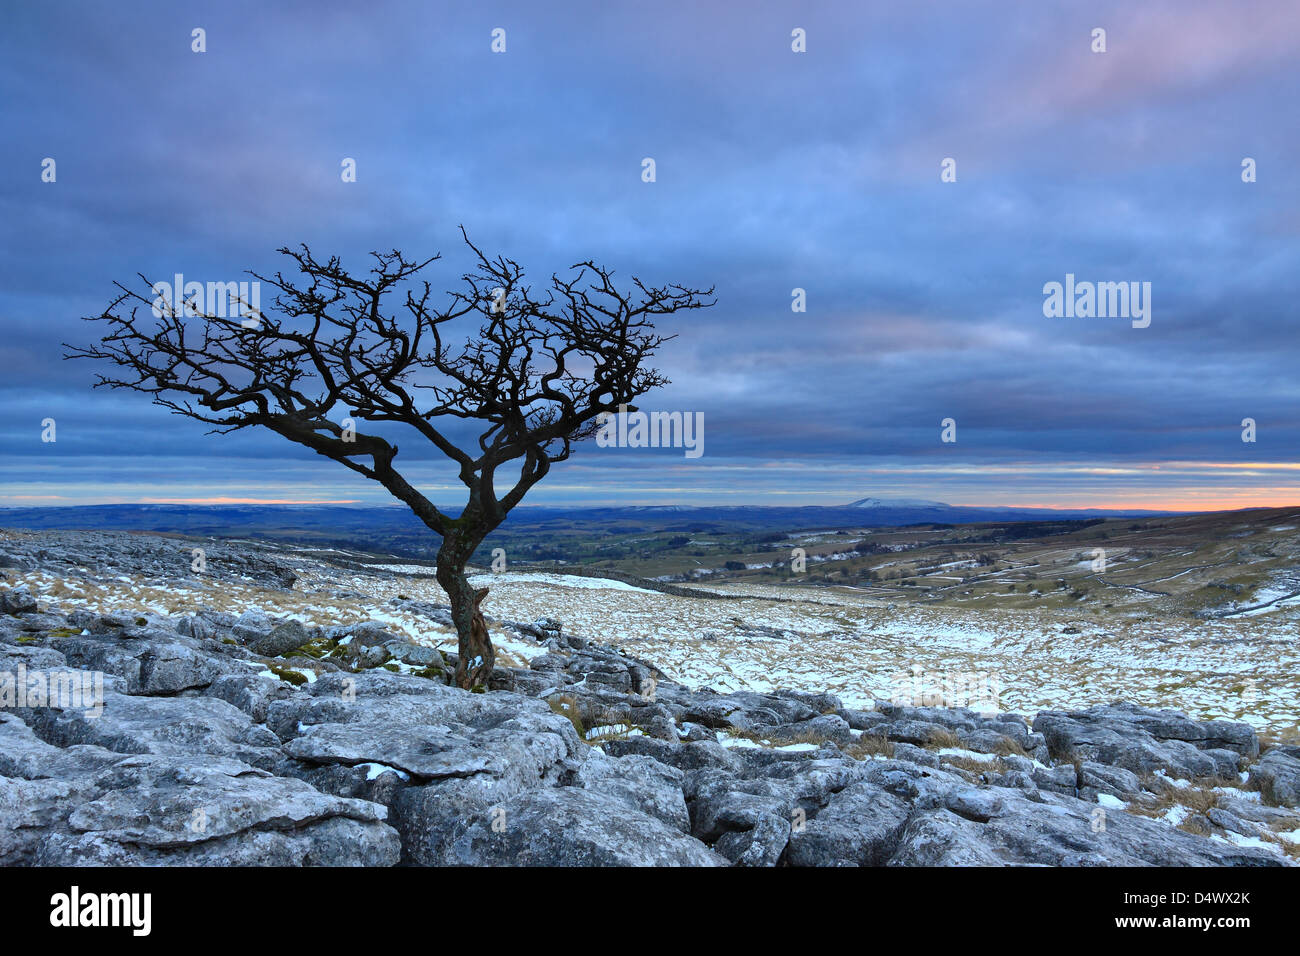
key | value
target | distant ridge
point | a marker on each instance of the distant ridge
(319, 521)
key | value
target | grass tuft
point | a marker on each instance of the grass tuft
(873, 745)
(940, 737)
(566, 705)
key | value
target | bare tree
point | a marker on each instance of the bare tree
(537, 378)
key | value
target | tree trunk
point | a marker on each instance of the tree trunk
(474, 645)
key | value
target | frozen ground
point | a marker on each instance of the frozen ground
(1241, 667)
(863, 649)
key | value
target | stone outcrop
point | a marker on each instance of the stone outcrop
(206, 746)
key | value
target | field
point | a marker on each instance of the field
(1196, 613)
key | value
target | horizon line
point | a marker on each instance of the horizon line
(360, 503)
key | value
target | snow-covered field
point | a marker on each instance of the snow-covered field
(763, 637)
(1283, 591)
(863, 649)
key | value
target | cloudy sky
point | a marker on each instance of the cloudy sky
(775, 170)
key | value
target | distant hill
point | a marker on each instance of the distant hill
(340, 522)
